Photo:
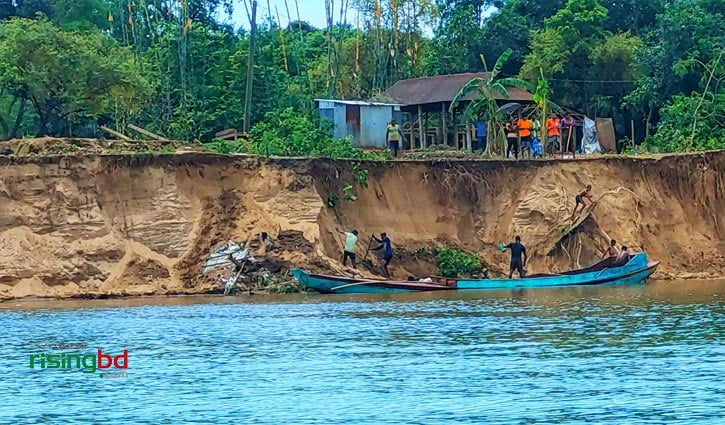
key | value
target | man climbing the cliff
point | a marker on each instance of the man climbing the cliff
(517, 249)
(384, 242)
(349, 251)
(580, 200)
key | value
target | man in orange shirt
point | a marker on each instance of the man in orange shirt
(552, 130)
(524, 124)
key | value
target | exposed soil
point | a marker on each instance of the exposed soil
(104, 225)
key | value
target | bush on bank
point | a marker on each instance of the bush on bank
(288, 133)
(453, 262)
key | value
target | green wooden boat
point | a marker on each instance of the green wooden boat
(635, 271)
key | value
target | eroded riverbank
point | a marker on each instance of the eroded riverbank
(141, 224)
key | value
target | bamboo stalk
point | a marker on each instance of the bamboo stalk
(281, 38)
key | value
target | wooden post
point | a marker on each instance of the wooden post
(518, 135)
(411, 140)
(425, 128)
(469, 145)
(455, 130)
(421, 134)
(632, 123)
(443, 123)
(250, 69)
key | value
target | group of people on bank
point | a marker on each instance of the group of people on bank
(522, 135)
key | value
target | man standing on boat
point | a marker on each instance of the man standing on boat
(349, 251)
(384, 242)
(612, 251)
(517, 249)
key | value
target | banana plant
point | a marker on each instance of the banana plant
(484, 103)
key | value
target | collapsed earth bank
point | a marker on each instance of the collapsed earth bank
(144, 224)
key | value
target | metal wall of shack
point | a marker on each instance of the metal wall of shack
(364, 123)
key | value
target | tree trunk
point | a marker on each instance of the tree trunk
(18, 119)
(647, 122)
(4, 132)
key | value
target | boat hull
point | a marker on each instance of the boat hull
(635, 271)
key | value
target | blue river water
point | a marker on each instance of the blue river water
(607, 355)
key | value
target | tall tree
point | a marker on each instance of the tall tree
(66, 75)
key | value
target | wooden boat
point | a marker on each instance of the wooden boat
(634, 271)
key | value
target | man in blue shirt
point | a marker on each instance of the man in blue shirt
(481, 135)
(384, 242)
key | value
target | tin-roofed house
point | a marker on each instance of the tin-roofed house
(362, 121)
(424, 103)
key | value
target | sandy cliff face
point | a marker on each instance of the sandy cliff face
(93, 225)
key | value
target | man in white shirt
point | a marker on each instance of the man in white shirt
(349, 251)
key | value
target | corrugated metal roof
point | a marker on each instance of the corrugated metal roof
(357, 102)
(443, 88)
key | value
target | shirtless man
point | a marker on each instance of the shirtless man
(611, 251)
(622, 258)
(580, 199)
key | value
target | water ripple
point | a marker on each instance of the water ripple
(653, 354)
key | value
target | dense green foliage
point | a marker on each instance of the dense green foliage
(177, 68)
(287, 133)
(453, 262)
(677, 129)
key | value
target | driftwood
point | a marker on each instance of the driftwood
(146, 132)
(116, 133)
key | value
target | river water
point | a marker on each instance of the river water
(609, 355)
